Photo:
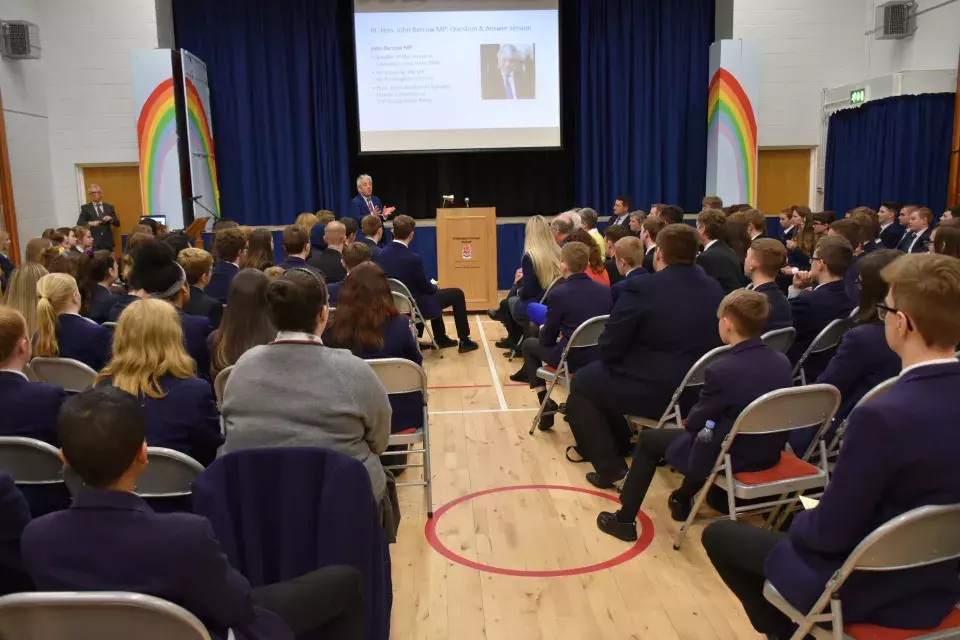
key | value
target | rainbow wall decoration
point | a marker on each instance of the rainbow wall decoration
(732, 123)
(200, 136)
(157, 137)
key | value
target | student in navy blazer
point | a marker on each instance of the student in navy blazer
(296, 247)
(401, 263)
(198, 265)
(365, 203)
(14, 516)
(718, 259)
(917, 238)
(61, 331)
(6, 265)
(749, 370)
(763, 262)
(30, 409)
(101, 273)
(230, 247)
(891, 232)
(899, 453)
(570, 304)
(660, 326)
(630, 255)
(110, 540)
(149, 361)
(367, 323)
(863, 359)
(814, 309)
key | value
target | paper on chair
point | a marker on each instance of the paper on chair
(809, 503)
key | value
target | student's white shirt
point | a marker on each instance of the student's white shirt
(929, 363)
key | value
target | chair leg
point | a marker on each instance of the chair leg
(427, 475)
(731, 501)
(433, 340)
(543, 405)
(837, 618)
(697, 503)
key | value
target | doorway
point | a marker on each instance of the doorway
(121, 188)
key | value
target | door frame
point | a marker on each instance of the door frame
(7, 203)
(81, 181)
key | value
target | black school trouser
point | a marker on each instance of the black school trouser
(650, 449)
(452, 298)
(328, 600)
(533, 358)
(738, 551)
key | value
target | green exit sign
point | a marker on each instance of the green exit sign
(858, 96)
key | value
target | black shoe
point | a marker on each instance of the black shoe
(426, 346)
(549, 412)
(679, 510)
(594, 478)
(506, 343)
(494, 314)
(608, 523)
(445, 343)
(467, 345)
(520, 376)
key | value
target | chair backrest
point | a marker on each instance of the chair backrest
(919, 537)
(399, 375)
(113, 325)
(873, 394)
(853, 314)
(106, 615)
(556, 281)
(402, 303)
(788, 409)
(169, 474)
(780, 339)
(830, 336)
(399, 287)
(72, 375)
(695, 375)
(220, 384)
(588, 333)
(30, 462)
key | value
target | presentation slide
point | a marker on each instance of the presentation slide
(442, 75)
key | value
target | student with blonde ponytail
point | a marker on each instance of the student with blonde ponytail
(22, 293)
(151, 362)
(61, 331)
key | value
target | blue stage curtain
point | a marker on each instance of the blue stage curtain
(279, 117)
(894, 149)
(642, 120)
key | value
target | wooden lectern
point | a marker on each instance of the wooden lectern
(467, 254)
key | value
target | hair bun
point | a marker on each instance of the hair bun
(152, 255)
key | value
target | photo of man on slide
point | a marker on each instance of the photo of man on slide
(508, 71)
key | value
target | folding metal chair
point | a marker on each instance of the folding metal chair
(917, 538)
(113, 325)
(586, 335)
(513, 353)
(399, 287)
(853, 314)
(405, 307)
(825, 340)
(169, 475)
(774, 412)
(780, 339)
(30, 462)
(72, 375)
(104, 615)
(401, 376)
(694, 378)
(220, 384)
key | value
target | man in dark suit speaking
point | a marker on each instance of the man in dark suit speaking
(512, 78)
(366, 204)
(99, 216)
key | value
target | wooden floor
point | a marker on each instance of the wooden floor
(479, 422)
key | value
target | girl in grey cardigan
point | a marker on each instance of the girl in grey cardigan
(295, 392)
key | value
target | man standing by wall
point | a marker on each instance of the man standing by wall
(99, 216)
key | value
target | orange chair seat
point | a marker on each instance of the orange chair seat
(405, 432)
(790, 466)
(865, 631)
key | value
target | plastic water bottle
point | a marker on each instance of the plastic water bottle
(706, 434)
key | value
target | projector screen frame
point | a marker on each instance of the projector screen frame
(402, 152)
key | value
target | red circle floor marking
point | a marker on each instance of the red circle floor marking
(430, 530)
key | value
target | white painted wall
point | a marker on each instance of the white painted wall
(936, 45)
(28, 143)
(87, 48)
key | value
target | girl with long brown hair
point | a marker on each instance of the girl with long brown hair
(246, 321)
(151, 362)
(260, 252)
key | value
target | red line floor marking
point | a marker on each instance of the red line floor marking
(430, 531)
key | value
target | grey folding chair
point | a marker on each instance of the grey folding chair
(586, 335)
(874, 393)
(825, 340)
(399, 287)
(30, 462)
(72, 375)
(513, 353)
(28, 371)
(400, 376)
(694, 378)
(220, 384)
(774, 412)
(113, 325)
(331, 314)
(405, 307)
(780, 339)
(917, 538)
(103, 615)
(169, 475)
(853, 314)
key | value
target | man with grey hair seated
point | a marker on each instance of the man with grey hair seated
(590, 218)
(365, 203)
(561, 227)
